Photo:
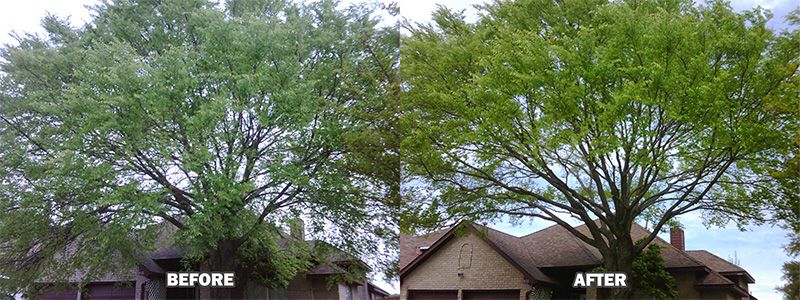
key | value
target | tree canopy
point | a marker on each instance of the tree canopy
(598, 111)
(223, 120)
(791, 269)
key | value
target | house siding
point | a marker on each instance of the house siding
(485, 270)
(685, 284)
(719, 295)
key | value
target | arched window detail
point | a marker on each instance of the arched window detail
(465, 256)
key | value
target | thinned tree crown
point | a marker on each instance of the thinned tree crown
(605, 112)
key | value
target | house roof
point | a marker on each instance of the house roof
(713, 280)
(377, 290)
(512, 248)
(560, 248)
(719, 265)
(555, 247)
(152, 262)
(409, 244)
(516, 250)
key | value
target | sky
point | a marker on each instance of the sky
(759, 250)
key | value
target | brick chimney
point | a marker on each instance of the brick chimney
(676, 238)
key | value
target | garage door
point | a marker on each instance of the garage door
(491, 295)
(108, 291)
(433, 295)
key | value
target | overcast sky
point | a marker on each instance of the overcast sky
(759, 250)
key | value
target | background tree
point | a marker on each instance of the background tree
(649, 276)
(788, 179)
(597, 111)
(791, 270)
(223, 120)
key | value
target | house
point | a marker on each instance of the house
(147, 280)
(472, 261)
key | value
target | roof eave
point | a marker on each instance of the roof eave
(746, 274)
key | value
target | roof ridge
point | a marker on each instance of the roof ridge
(737, 267)
(540, 230)
(431, 232)
(720, 258)
(498, 231)
(686, 254)
(682, 252)
(509, 246)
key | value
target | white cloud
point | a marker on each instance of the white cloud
(25, 16)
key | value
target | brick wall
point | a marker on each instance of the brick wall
(487, 269)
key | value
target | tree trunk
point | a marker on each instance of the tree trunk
(619, 258)
(222, 260)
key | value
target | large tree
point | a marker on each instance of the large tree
(597, 111)
(223, 120)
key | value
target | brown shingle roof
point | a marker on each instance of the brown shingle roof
(512, 248)
(559, 248)
(673, 257)
(714, 262)
(713, 278)
(718, 264)
(409, 245)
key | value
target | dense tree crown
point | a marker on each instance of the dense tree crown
(598, 110)
(222, 120)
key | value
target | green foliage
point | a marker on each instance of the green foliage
(284, 262)
(223, 122)
(611, 111)
(791, 273)
(791, 269)
(650, 277)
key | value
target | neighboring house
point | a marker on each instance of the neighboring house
(148, 281)
(478, 262)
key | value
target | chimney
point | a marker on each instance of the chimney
(676, 238)
(297, 229)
